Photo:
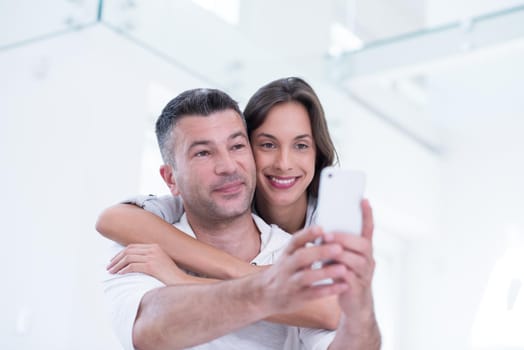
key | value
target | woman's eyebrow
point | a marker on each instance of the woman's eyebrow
(269, 136)
(298, 137)
(304, 136)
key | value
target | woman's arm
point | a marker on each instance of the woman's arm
(154, 261)
(151, 259)
(127, 224)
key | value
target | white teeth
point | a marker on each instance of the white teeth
(283, 181)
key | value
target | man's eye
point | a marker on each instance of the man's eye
(239, 146)
(202, 154)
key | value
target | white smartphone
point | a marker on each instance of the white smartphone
(339, 196)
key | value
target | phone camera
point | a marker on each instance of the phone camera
(330, 175)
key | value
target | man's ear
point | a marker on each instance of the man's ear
(166, 171)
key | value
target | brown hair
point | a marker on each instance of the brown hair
(297, 90)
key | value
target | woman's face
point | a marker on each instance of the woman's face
(285, 154)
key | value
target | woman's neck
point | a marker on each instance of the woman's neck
(290, 218)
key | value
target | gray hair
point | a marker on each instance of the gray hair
(195, 102)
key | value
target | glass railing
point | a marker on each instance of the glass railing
(230, 45)
(25, 21)
(429, 46)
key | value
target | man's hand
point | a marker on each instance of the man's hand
(289, 283)
(191, 315)
(358, 328)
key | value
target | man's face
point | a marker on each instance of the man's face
(214, 166)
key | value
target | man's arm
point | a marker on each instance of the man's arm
(176, 317)
(152, 260)
(357, 332)
(128, 224)
(186, 315)
(322, 313)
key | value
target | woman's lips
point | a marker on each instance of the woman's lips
(282, 182)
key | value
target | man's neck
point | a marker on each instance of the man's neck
(238, 237)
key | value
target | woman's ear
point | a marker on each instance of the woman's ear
(166, 171)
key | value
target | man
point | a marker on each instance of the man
(208, 162)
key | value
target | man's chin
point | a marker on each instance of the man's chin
(231, 212)
(226, 210)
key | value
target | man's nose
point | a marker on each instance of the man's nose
(226, 164)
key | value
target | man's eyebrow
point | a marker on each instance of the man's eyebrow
(208, 142)
(199, 143)
(238, 134)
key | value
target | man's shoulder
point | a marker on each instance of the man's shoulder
(184, 226)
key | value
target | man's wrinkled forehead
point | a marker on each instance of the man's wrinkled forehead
(219, 127)
(221, 112)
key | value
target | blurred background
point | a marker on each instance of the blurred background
(425, 96)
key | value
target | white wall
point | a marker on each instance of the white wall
(403, 185)
(483, 201)
(74, 111)
(73, 114)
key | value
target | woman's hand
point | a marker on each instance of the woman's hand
(149, 259)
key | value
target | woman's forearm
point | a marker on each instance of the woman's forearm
(127, 224)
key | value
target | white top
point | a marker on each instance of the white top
(171, 208)
(123, 294)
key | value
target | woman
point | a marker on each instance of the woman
(291, 144)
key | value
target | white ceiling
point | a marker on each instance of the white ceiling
(280, 38)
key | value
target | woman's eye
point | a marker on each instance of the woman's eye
(267, 145)
(302, 146)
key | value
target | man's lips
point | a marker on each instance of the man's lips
(230, 187)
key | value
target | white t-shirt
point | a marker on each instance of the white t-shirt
(123, 294)
(171, 208)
